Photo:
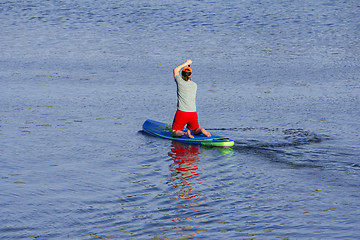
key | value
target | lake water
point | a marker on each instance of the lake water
(79, 78)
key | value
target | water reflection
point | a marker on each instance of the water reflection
(185, 179)
(184, 175)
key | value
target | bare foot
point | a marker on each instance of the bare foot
(182, 133)
(206, 133)
(203, 131)
(188, 134)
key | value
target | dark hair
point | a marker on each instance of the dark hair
(186, 75)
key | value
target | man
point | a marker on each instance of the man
(186, 104)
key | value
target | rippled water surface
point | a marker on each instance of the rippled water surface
(79, 78)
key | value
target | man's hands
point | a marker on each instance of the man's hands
(178, 68)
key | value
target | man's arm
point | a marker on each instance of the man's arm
(178, 68)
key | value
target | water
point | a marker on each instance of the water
(78, 79)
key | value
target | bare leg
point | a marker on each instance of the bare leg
(182, 133)
(203, 131)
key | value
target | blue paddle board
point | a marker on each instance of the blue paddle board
(162, 130)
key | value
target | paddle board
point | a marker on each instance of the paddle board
(162, 130)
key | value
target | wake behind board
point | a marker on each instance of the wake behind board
(163, 130)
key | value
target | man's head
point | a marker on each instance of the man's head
(186, 73)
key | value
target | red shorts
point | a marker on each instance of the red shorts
(185, 118)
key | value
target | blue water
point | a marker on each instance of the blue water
(78, 79)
